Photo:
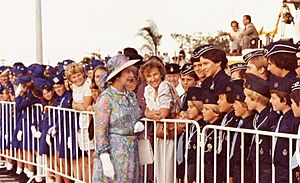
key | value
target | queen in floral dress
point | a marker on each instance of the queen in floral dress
(116, 112)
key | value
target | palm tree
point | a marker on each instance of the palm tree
(151, 36)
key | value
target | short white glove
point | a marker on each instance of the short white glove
(139, 127)
(69, 143)
(6, 137)
(108, 168)
(48, 140)
(52, 131)
(37, 134)
(19, 135)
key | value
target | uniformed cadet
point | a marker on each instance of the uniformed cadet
(62, 124)
(214, 61)
(211, 115)
(257, 98)
(195, 60)
(257, 64)
(246, 121)
(280, 87)
(5, 83)
(225, 102)
(194, 112)
(282, 59)
(238, 72)
(23, 137)
(49, 71)
(188, 79)
(173, 76)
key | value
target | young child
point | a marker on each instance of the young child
(238, 73)
(257, 98)
(246, 121)
(211, 115)
(280, 88)
(194, 112)
(257, 64)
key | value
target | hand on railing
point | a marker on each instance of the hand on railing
(19, 135)
(48, 140)
(138, 127)
(35, 133)
(69, 142)
(108, 168)
(52, 131)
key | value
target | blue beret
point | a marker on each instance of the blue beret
(172, 68)
(19, 69)
(2, 68)
(36, 70)
(39, 82)
(23, 80)
(199, 51)
(194, 93)
(280, 47)
(96, 63)
(63, 65)
(50, 69)
(237, 66)
(253, 54)
(58, 78)
(258, 85)
(209, 97)
(283, 84)
(238, 93)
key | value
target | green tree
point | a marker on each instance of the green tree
(151, 36)
(189, 42)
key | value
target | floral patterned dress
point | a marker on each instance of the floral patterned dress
(115, 116)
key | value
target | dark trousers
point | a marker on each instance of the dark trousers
(209, 173)
(265, 172)
(236, 172)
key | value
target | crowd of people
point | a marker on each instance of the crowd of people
(261, 93)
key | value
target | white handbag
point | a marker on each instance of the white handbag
(145, 152)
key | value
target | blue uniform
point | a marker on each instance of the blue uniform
(23, 104)
(236, 154)
(265, 121)
(9, 86)
(288, 124)
(44, 127)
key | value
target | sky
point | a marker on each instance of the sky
(74, 28)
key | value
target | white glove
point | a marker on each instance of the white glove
(6, 137)
(108, 168)
(19, 135)
(138, 127)
(52, 131)
(48, 140)
(36, 134)
(69, 143)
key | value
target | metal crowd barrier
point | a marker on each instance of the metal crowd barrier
(71, 145)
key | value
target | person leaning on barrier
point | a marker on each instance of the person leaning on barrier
(257, 98)
(211, 115)
(246, 121)
(116, 117)
(162, 101)
(280, 88)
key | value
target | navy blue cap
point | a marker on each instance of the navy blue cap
(237, 66)
(238, 93)
(96, 63)
(280, 47)
(39, 82)
(187, 69)
(46, 84)
(23, 80)
(172, 68)
(223, 87)
(50, 69)
(2, 68)
(199, 51)
(19, 69)
(296, 84)
(63, 65)
(258, 85)
(239, 82)
(58, 78)
(209, 97)
(283, 84)
(194, 93)
(36, 70)
(253, 54)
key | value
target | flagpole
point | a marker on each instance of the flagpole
(38, 34)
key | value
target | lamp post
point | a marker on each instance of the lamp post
(38, 34)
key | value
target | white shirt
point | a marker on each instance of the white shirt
(236, 43)
(79, 92)
(180, 89)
